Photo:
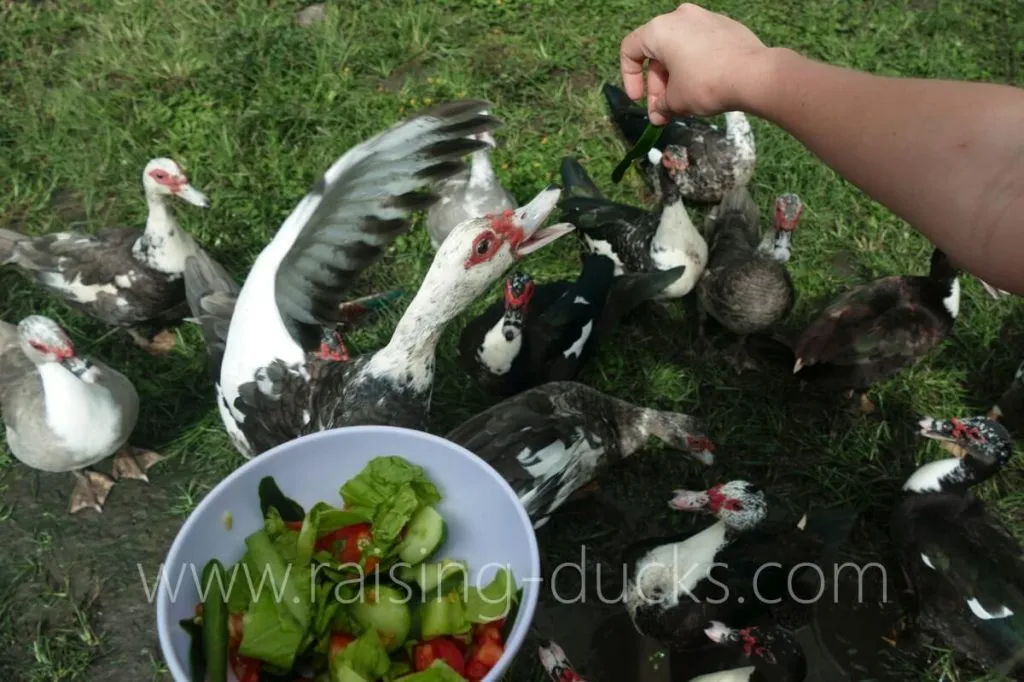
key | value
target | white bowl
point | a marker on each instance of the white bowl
(487, 525)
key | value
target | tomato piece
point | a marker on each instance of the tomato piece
(489, 652)
(445, 648)
(422, 656)
(347, 543)
(372, 563)
(338, 642)
(234, 630)
(488, 632)
(294, 525)
(246, 669)
(476, 671)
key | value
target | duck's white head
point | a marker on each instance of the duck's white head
(738, 504)
(165, 178)
(480, 250)
(43, 342)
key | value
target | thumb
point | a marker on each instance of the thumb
(659, 111)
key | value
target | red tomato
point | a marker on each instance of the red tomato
(446, 649)
(246, 669)
(489, 652)
(355, 538)
(234, 630)
(294, 525)
(476, 671)
(338, 643)
(488, 632)
(422, 656)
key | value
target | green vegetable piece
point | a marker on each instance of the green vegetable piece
(381, 480)
(196, 655)
(439, 671)
(239, 595)
(343, 673)
(650, 138)
(392, 515)
(385, 610)
(429, 577)
(278, 619)
(397, 669)
(215, 622)
(425, 534)
(366, 656)
(443, 615)
(271, 496)
(493, 601)
(330, 519)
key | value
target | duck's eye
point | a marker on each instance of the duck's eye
(483, 246)
(734, 505)
(39, 346)
(159, 175)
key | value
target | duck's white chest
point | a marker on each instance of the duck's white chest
(496, 352)
(668, 572)
(87, 420)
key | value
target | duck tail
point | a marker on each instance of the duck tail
(576, 181)
(629, 119)
(211, 294)
(9, 239)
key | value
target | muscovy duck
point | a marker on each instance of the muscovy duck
(768, 655)
(746, 287)
(636, 240)
(124, 277)
(548, 332)
(676, 585)
(472, 193)
(551, 440)
(700, 159)
(965, 569)
(875, 330)
(66, 413)
(1009, 409)
(279, 375)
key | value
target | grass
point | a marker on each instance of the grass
(256, 107)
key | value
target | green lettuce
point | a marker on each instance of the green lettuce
(443, 615)
(439, 671)
(493, 601)
(365, 656)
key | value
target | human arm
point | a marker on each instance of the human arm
(946, 156)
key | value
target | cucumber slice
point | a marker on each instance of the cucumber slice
(423, 536)
(430, 576)
(384, 609)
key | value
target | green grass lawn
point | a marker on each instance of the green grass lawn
(256, 107)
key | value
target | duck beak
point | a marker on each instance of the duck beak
(193, 196)
(83, 369)
(718, 632)
(531, 216)
(951, 434)
(689, 500)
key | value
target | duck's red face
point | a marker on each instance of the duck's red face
(719, 500)
(518, 291)
(788, 209)
(175, 182)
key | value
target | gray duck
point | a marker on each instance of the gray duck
(65, 413)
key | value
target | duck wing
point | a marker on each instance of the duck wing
(362, 204)
(976, 559)
(604, 225)
(211, 293)
(874, 323)
(539, 444)
(275, 406)
(73, 263)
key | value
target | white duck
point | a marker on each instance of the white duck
(472, 193)
(276, 378)
(123, 276)
(65, 413)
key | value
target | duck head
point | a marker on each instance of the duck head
(980, 448)
(556, 663)
(165, 178)
(738, 504)
(518, 292)
(788, 210)
(768, 648)
(44, 342)
(480, 250)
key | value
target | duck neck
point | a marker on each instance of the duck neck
(481, 173)
(637, 424)
(778, 245)
(737, 126)
(163, 246)
(675, 229)
(951, 475)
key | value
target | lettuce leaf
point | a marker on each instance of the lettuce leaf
(365, 656)
(494, 600)
(443, 615)
(439, 671)
(381, 480)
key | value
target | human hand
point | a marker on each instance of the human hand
(699, 63)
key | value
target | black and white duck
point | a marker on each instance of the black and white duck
(65, 413)
(550, 441)
(875, 330)
(474, 192)
(703, 161)
(767, 654)
(746, 287)
(123, 276)
(279, 376)
(548, 332)
(676, 585)
(965, 569)
(1009, 409)
(635, 239)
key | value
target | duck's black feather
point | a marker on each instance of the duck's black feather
(211, 293)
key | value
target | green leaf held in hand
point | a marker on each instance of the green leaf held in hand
(650, 138)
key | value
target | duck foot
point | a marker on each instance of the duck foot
(160, 344)
(131, 462)
(90, 491)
